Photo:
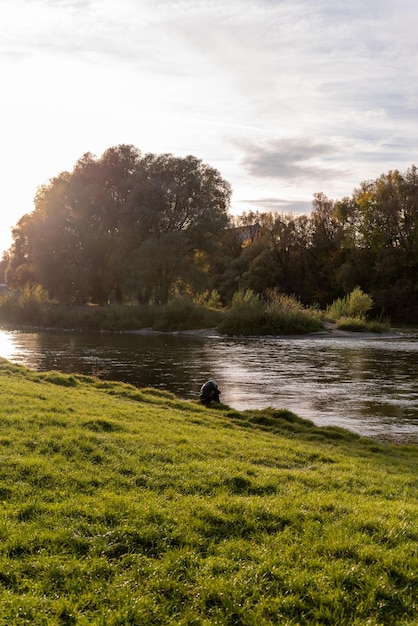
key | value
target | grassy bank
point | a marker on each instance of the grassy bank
(34, 309)
(125, 506)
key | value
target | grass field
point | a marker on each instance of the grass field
(122, 506)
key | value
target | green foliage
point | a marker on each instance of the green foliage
(280, 314)
(359, 303)
(376, 326)
(128, 506)
(247, 301)
(339, 308)
(119, 227)
(210, 299)
(184, 314)
(360, 324)
(28, 307)
(128, 227)
(356, 324)
(349, 313)
(356, 305)
(248, 315)
(179, 314)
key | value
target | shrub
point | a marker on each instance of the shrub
(360, 324)
(184, 314)
(210, 299)
(339, 308)
(355, 324)
(375, 326)
(8, 306)
(24, 308)
(247, 302)
(359, 303)
(355, 304)
(279, 315)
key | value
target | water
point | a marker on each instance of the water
(366, 384)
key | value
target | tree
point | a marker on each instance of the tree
(382, 225)
(289, 237)
(177, 207)
(4, 262)
(119, 223)
(326, 249)
(43, 250)
(99, 191)
(19, 271)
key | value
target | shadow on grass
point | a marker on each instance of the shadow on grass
(285, 422)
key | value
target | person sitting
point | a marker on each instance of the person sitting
(209, 392)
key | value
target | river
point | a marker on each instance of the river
(367, 384)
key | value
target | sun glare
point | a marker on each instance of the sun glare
(7, 344)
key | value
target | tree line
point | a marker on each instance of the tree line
(132, 227)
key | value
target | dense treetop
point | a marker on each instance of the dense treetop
(125, 225)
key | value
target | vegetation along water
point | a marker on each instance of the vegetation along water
(134, 228)
(128, 506)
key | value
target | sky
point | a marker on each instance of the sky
(285, 98)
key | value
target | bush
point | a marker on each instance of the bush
(349, 313)
(210, 299)
(355, 324)
(375, 326)
(360, 324)
(8, 306)
(354, 305)
(184, 314)
(279, 315)
(247, 302)
(24, 308)
(359, 303)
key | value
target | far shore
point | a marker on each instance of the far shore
(329, 331)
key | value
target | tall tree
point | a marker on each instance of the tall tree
(120, 222)
(382, 221)
(178, 206)
(326, 249)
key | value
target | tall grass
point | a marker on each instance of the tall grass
(279, 314)
(33, 308)
(350, 313)
(127, 506)
(249, 314)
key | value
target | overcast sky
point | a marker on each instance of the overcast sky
(285, 98)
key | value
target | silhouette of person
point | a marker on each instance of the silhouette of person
(209, 392)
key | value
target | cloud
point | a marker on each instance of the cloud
(291, 159)
(279, 205)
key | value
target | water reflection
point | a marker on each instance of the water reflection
(368, 385)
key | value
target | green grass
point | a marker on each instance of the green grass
(177, 315)
(123, 506)
(360, 324)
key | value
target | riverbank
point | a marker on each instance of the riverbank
(364, 384)
(329, 330)
(248, 315)
(124, 505)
